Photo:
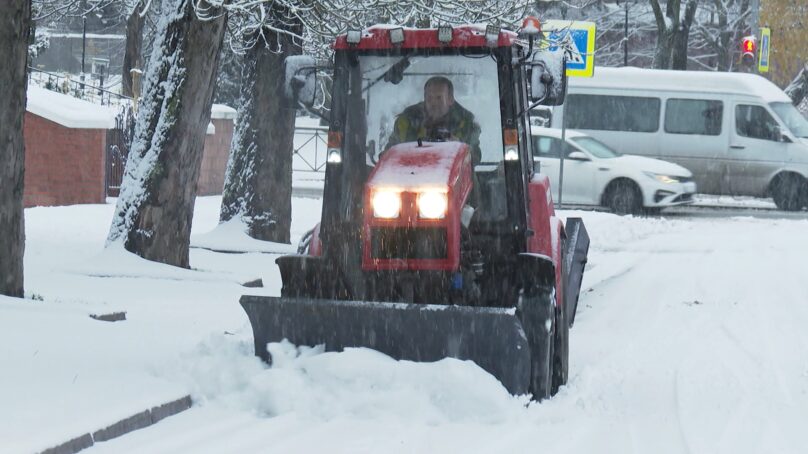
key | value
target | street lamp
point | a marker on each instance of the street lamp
(83, 41)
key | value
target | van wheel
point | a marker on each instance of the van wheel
(790, 192)
(623, 197)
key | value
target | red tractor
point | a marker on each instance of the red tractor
(435, 243)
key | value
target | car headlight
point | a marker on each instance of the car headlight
(665, 179)
(386, 204)
(432, 204)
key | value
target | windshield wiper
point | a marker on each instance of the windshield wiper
(394, 74)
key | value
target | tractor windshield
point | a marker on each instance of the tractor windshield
(438, 97)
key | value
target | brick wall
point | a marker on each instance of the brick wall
(214, 159)
(66, 166)
(63, 166)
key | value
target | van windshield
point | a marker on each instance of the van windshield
(792, 117)
(595, 147)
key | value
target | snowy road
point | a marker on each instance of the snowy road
(690, 338)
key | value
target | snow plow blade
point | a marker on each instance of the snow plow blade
(491, 337)
(577, 250)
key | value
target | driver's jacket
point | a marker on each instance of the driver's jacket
(458, 123)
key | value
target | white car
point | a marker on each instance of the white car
(594, 174)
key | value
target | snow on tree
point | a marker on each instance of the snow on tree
(717, 32)
(15, 26)
(673, 31)
(258, 181)
(797, 90)
(155, 207)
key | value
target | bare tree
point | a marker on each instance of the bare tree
(258, 186)
(797, 90)
(155, 208)
(673, 31)
(133, 58)
(15, 26)
(717, 31)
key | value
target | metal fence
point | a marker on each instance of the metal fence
(63, 83)
(310, 147)
(118, 141)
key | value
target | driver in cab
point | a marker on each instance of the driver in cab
(438, 118)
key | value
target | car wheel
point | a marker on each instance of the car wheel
(624, 197)
(790, 192)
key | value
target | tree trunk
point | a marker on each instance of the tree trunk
(155, 208)
(15, 26)
(134, 48)
(665, 33)
(258, 186)
(681, 38)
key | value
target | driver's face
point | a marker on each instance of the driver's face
(437, 100)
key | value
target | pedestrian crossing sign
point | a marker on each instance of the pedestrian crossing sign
(577, 39)
(765, 44)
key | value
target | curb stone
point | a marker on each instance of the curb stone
(137, 421)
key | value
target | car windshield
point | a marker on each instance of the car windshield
(394, 91)
(792, 117)
(595, 147)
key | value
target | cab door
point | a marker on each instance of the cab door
(755, 150)
(579, 177)
(697, 136)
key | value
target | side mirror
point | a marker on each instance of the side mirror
(301, 80)
(548, 78)
(578, 156)
(782, 135)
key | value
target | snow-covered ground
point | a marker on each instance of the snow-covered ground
(690, 337)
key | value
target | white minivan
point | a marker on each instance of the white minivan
(738, 133)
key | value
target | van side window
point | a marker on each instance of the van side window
(612, 113)
(546, 147)
(755, 122)
(694, 116)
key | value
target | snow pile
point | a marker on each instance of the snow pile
(232, 236)
(357, 383)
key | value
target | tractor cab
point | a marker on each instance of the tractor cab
(438, 237)
(408, 104)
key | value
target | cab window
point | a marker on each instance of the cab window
(755, 122)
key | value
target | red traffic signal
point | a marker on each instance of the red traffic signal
(748, 50)
(749, 45)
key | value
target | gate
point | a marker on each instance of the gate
(118, 141)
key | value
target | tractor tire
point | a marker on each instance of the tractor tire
(790, 192)
(561, 352)
(623, 196)
(539, 321)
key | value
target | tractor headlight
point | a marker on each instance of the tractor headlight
(432, 204)
(665, 179)
(386, 204)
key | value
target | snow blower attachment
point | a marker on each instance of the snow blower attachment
(443, 242)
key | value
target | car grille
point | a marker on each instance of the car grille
(408, 243)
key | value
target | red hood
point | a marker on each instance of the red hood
(407, 166)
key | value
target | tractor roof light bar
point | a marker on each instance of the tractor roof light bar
(445, 33)
(396, 36)
(353, 37)
(492, 34)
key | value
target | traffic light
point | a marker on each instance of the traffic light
(748, 50)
